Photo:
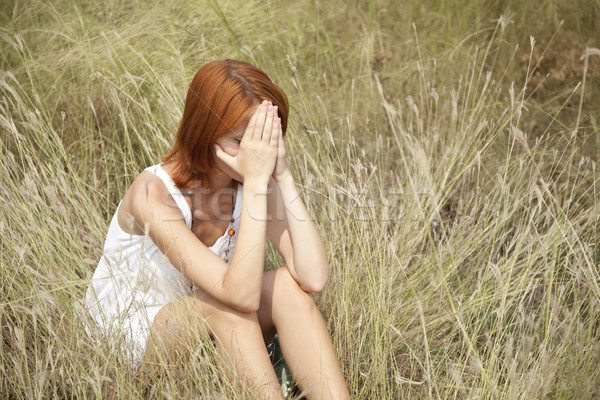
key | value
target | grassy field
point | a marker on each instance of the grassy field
(448, 151)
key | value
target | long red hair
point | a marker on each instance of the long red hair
(220, 96)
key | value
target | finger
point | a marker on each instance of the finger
(268, 129)
(276, 135)
(260, 120)
(249, 132)
(280, 143)
(223, 156)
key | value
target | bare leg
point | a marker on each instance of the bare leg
(237, 334)
(304, 339)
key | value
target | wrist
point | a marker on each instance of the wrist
(256, 183)
(285, 177)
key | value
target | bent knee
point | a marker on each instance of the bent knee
(288, 294)
(215, 312)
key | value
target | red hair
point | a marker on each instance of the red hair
(220, 96)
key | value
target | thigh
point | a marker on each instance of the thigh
(170, 332)
(279, 291)
(265, 308)
(182, 325)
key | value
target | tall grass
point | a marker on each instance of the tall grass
(458, 201)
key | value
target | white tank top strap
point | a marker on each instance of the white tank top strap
(174, 191)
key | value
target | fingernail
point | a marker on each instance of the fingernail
(270, 108)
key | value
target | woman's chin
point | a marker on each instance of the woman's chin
(234, 176)
(224, 170)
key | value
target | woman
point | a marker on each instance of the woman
(169, 273)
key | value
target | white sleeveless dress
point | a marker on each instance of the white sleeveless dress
(134, 279)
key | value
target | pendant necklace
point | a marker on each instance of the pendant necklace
(230, 229)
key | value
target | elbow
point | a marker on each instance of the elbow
(246, 305)
(247, 308)
(315, 285)
(241, 300)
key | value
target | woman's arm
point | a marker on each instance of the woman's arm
(238, 284)
(294, 234)
(291, 228)
(245, 272)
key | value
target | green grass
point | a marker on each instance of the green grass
(450, 161)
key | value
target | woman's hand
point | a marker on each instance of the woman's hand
(281, 166)
(258, 151)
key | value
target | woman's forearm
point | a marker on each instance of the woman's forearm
(310, 258)
(243, 278)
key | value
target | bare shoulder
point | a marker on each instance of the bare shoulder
(147, 194)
